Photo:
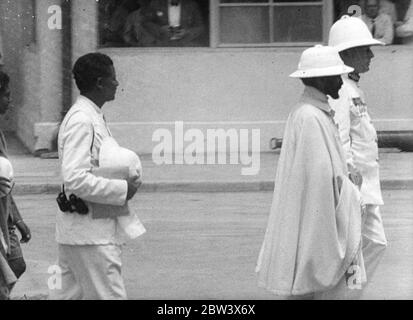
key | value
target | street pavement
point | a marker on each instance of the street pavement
(201, 245)
(204, 246)
(39, 176)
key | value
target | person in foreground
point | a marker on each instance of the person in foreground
(313, 236)
(12, 264)
(89, 249)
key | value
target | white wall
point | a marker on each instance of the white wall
(237, 88)
(16, 28)
(205, 88)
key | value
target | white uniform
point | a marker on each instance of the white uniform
(359, 140)
(89, 250)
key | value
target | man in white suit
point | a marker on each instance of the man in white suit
(89, 250)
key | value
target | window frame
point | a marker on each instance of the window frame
(214, 32)
(214, 25)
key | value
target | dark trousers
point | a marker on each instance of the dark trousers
(15, 257)
(16, 263)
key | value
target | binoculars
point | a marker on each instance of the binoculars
(74, 204)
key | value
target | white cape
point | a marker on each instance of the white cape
(314, 229)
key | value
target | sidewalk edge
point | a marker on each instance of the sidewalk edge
(195, 186)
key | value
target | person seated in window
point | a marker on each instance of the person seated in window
(172, 23)
(134, 34)
(404, 29)
(113, 18)
(389, 7)
(379, 24)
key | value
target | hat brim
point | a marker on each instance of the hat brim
(322, 72)
(358, 43)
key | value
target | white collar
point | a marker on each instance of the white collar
(90, 103)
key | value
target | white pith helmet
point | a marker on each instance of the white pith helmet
(6, 169)
(320, 61)
(112, 155)
(351, 32)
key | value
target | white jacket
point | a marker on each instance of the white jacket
(80, 137)
(359, 138)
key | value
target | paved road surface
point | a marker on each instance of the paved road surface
(204, 246)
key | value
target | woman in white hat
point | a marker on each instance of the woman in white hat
(12, 264)
(313, 235)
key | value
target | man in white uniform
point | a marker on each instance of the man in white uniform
(351, 37)
(89, 251)
(173, 22)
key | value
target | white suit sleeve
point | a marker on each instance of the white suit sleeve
(343, 119)
(76, 166)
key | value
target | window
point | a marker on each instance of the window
(147, 23)
(271, 22)
(215, 23)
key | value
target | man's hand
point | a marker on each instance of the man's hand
(5, 186)
(24, 231)
(134, 182)
(355, 176)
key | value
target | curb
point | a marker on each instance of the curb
(195, 186)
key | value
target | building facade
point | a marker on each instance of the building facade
(237, 78)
